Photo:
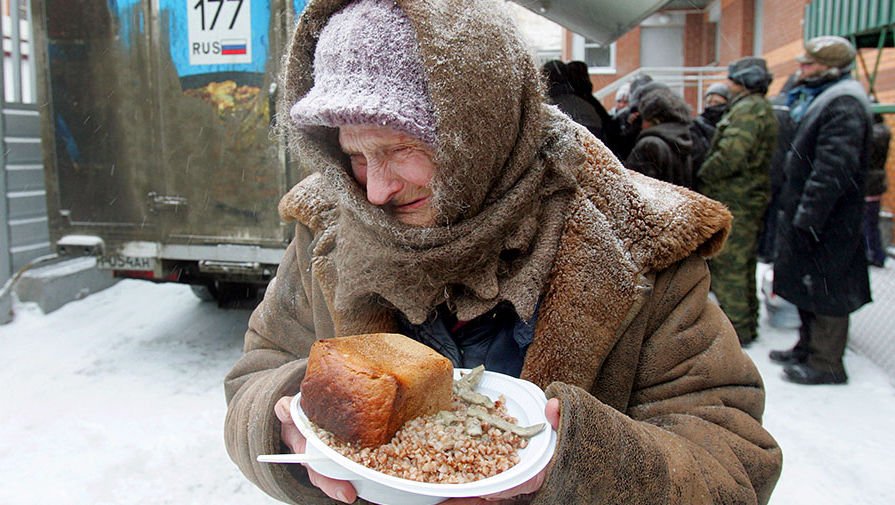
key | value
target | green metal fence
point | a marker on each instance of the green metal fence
(869, 23)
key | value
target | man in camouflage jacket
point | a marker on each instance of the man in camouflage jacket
(736, 174)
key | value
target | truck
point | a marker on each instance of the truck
(159, 155)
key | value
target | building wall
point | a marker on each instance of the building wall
(737, 22)
(782, 39)
(699, 50)
(627, 60)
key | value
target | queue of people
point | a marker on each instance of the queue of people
(801, 199)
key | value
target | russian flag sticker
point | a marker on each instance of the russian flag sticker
(233, 47)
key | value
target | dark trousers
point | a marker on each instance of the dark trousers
(873, 246)
(823, 339)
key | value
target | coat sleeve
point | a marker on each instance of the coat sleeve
(691, 433)
(836, 163)
(736, 134)
(280, 333)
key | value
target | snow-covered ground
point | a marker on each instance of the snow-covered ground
(117, 399)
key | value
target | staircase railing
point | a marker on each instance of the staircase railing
(678, 78)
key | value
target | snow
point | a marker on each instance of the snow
(117, 399)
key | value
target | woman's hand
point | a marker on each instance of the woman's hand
(551, 411)
(336, 489)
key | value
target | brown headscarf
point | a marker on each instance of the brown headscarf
(504, 176)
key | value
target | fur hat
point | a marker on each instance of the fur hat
(751, 73)
(639, 92)
(829, 50)
(368, 70)
(634, 94)
(662, 105)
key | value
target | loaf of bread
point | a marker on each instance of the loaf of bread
(363, 388)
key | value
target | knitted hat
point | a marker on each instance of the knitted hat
(720, 89)
(368, 71)
(829, 50)
(751, 73)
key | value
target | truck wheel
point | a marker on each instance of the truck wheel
(225, 292)
(204, 292)
(235, 292)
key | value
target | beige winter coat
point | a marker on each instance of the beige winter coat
(659, 405)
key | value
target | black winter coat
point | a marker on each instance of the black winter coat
(876, 177)
(786, 130)
(563, 96)
(821, 265)
(663, 152)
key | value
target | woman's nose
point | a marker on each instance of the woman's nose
(382, 185)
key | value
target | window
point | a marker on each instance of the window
(600, 59)
(545, 55)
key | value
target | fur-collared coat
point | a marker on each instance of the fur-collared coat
(659, 405)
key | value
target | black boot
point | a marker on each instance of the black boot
(803, 373)
(789, 357)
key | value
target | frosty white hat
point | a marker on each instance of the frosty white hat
(368, 71)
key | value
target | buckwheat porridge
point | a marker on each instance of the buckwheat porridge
(473, 440)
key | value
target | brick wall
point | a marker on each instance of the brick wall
(694, 50)
(737, 27)
(782, 39)
(627, 59)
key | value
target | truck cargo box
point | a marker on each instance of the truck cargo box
(156, 133)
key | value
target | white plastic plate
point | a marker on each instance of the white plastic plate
(524, 401)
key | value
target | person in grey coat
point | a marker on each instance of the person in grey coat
(820, 265)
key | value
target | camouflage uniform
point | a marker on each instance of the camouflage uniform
(736, 174)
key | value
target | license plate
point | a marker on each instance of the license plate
(121, 262)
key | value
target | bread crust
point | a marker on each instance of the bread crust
(363, 388)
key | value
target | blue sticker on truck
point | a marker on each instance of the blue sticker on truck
(208, 36)
(217, 36)
(298, 7)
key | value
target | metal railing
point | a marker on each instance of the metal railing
(678, 78)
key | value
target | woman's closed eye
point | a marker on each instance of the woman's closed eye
(358, 160)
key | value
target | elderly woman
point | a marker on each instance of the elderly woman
(452, 205)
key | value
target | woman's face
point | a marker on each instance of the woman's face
(394, 169)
